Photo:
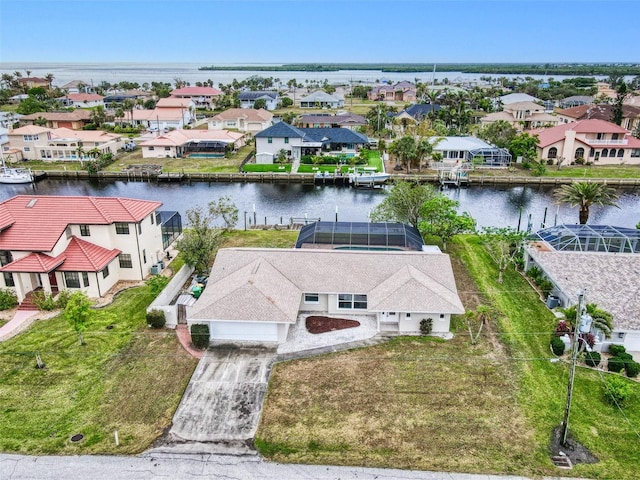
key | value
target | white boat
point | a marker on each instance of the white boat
(367, 177)
(15, 175)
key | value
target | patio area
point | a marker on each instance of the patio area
(299, 339)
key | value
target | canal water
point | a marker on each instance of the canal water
(490, 206)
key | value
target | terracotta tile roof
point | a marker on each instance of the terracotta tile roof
(83, 256)
(552, 135)
(598, 112)
(84, 97)
(51, 214)
(29, 130)
(173, 102)
(78, 114)
(34, 263)
(196, 91)
(94, 136)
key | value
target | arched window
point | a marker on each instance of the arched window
(620, 152)
(605, 152)
(612, 153)
(580, 153)
(553, 152)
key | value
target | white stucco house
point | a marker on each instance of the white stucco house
(256, 294)
(249, 98)
(247, 120)
(321, 99)
(182, 143)
(51, 242)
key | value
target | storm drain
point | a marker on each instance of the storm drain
(77, 437)
(562, 461)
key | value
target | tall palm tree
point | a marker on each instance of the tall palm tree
(49, 78)
(585, 194)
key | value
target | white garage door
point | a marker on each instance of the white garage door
(251, 331)
(632, 341)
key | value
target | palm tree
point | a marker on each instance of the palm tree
(49, 78)
(128, 105)
(600, 319)
(585, 194)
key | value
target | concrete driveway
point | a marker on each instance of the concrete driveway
(220, 409)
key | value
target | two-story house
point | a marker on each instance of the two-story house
(202, 97)
(82, 100)
(74, 120)
(249, 98)
(77, 243)
(399, 92)
(247, 120)
(591, 141)
(522, 116)
(348, 120)
(630, 114)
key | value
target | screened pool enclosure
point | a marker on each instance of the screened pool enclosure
(591, 238)
(360, 236)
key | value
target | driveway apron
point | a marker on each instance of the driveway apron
(223, 400)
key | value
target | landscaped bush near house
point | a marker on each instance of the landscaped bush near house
(557, 345)
(534, 272)
(614, 350)
(63, 298)
(592, 359)
(615, 364)
(8, 299)
(155, 319)
(617, 391)
(200, 335)
(562, 329)
(632, 369)
(426, 325)
(545, 286)
(43, 301)
(156, 283)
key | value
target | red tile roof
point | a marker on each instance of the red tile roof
(82, 256)
(196, 91)
(34, 263)
(552, 135)
(40, 220)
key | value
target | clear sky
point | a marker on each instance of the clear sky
(268, 31)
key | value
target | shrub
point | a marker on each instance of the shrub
(200, 335)
(534, 272)
(632, 369)
(155, 319)
(617, 391)
(545, 286)
(8, 299)
(156, 283)
(615, 364)
(626, 357)
(426, 325)
(557, 345)
(616, 349)
(43, 301)
(63, 299)
(592, 359)
(579, 161)
(562, 329)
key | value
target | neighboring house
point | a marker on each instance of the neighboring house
(257, 294)
(77, 86)
(320, 99)
(116, 100)
(590, 140)
(202, 97)
(604, 89)
(170, 113)
(182, 143)
(461, 150)
(246, 120)
(418, 112)
(630, 114)
(306, 141)
(248, 99)
(351, 121)
(9, 119)
(522, 116)
(53, 242)
(516, 98)
(602, 259)
(74, 120)
(82, 100)
(576, 101)
(399, 92)
(33, 82)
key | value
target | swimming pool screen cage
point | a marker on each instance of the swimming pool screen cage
(205, 146)
(591, 238)
(360, 236)
(492, 157)
(171, 225)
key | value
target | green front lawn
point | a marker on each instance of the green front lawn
(592, 171)
(267, 167)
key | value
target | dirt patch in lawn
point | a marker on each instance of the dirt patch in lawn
(319, 324)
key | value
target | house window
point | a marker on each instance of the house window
(122, 228)
(84, 230)
(72, 279)
(125, 260)
(553, 152)
(605, 152)
(614, 136)
(269, 139)
(442, 315)
(600, 136)
(311, 298)
(579, 153)
(151, 148)
(286, 139)
(8, 279)
(620, 153)
(85, 279)
(635, 153)
(151, 216)
(352, 301)
(612, 153)
(27, 149)
(408, 315)
(144, 256)
(105, 272)
(140, 228)
(592, 152)
(167, 148)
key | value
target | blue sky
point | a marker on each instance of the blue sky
(250, 31)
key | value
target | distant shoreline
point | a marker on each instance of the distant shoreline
(586, 69)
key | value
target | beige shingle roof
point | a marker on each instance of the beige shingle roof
(267, 284)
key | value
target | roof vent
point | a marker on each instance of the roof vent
(31, 203)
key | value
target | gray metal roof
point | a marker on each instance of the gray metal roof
(591, 238)
(254, 95)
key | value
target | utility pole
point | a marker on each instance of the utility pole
(572, 371)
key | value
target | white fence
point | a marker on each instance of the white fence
(164, 299)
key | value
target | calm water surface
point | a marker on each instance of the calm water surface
(489, 206)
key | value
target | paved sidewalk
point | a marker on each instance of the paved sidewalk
(184, 337)
(20, 322)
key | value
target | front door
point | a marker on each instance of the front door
(53, 281)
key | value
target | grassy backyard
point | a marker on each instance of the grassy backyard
(428, 404)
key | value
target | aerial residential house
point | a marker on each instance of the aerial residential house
(320, 99)
(246, 120)
(257, 294)
(458, 151)
(522, 116)
(33, 82)
(82, 243)
(77, 86)
(516, 98)
(183, 143)
(604, 260)
(306, 141)
(74, 120)
(417, 112)
(82, 100)
(399, 92)
(348, 120)
(170, 113)
(202, 97)
(9, 119)
(62, 144)
(116, 100)
(249, 98)
(597, 141)
(630, 114)
(576, 101)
